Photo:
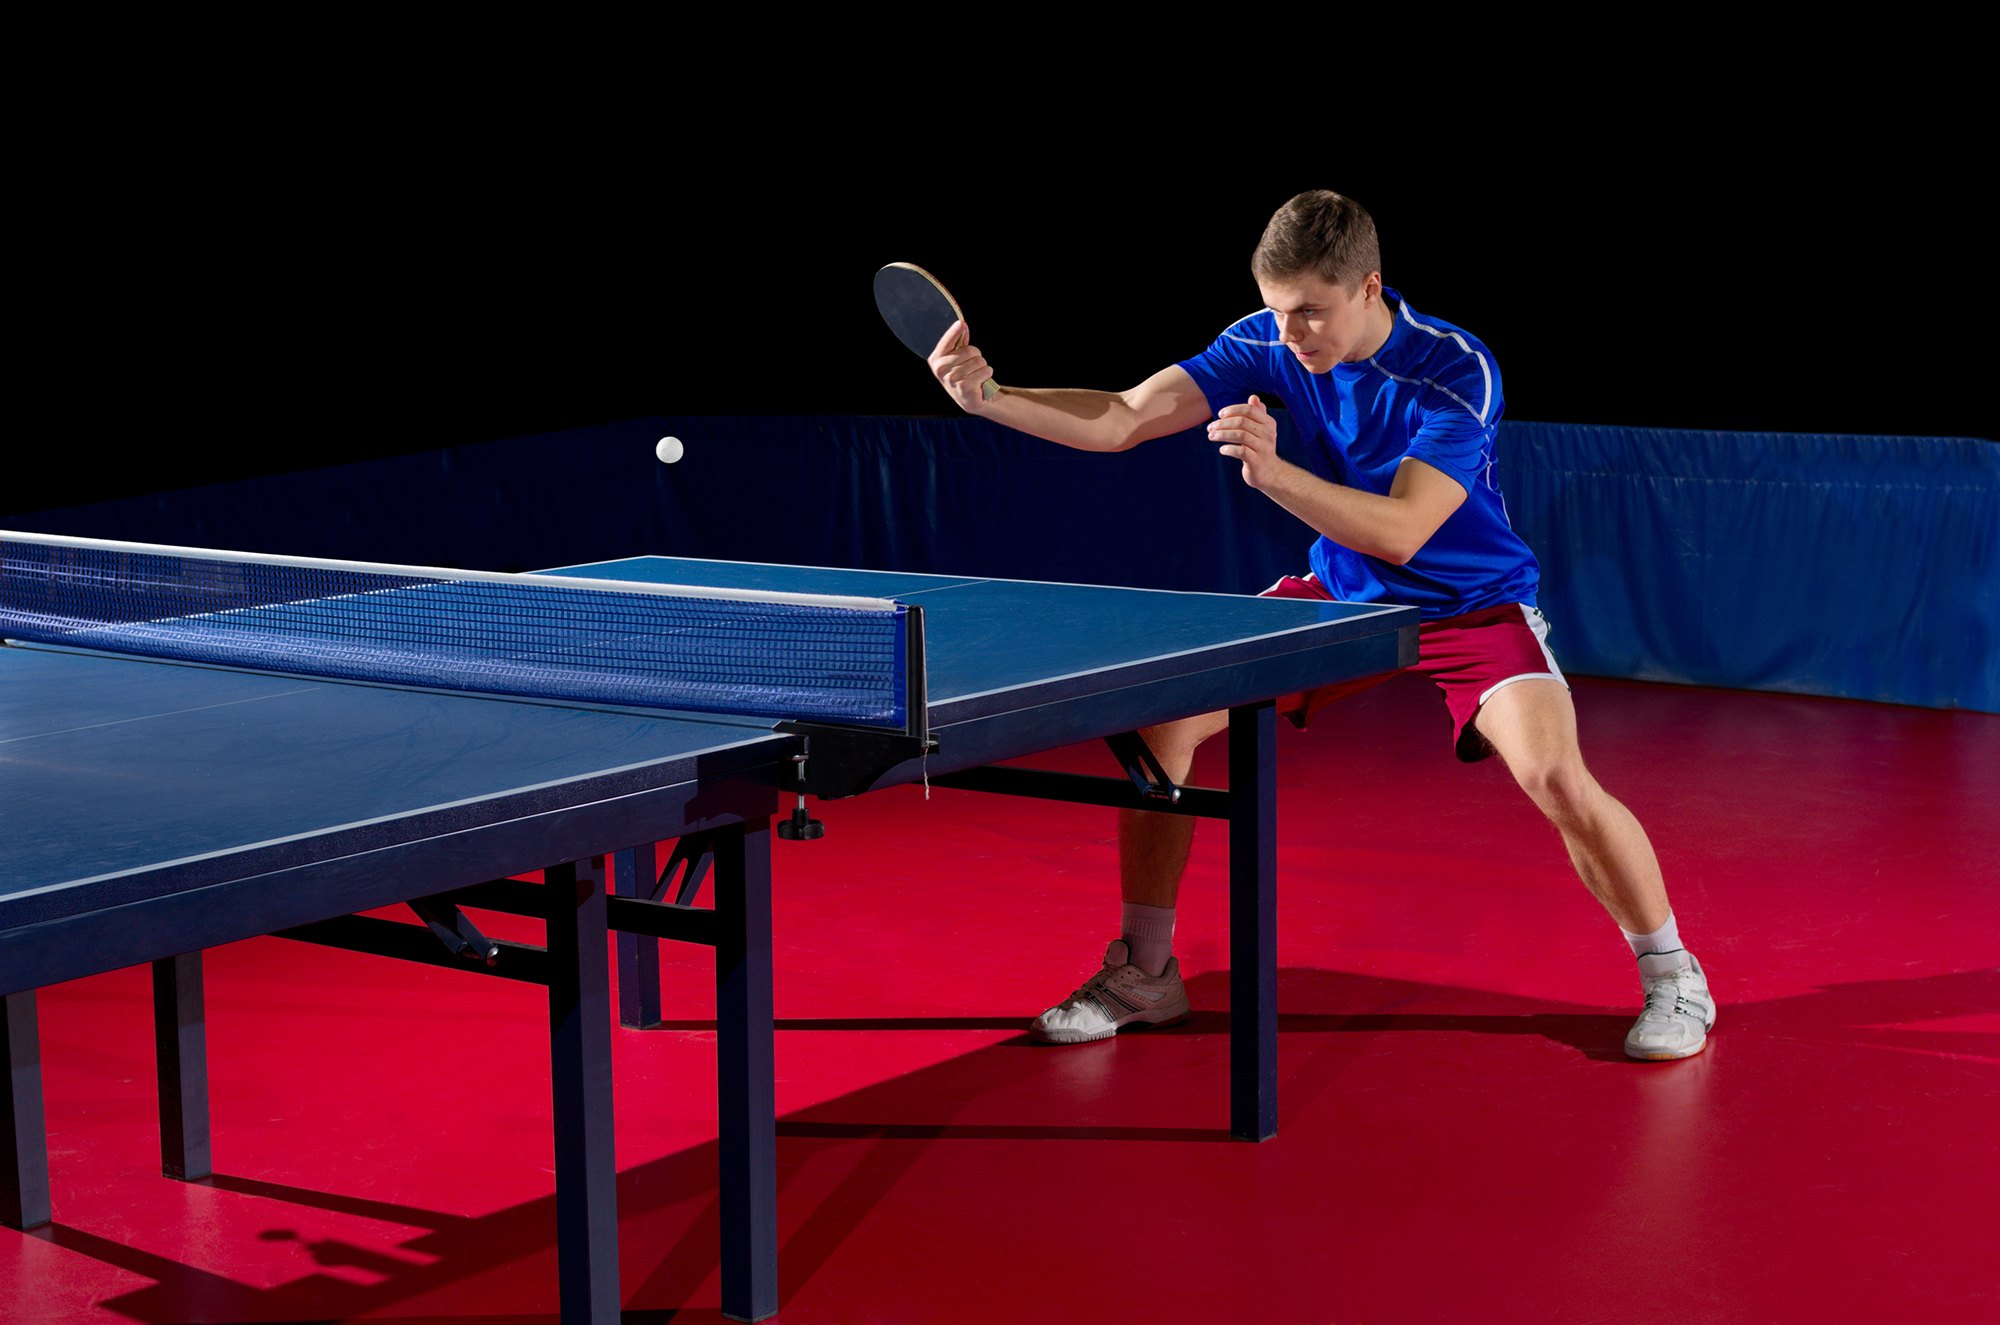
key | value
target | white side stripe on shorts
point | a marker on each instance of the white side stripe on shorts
(1538, 624)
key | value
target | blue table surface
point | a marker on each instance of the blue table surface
(114, 765)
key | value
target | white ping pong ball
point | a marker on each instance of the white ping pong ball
(669, 450)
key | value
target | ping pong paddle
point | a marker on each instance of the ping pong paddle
(918, 309)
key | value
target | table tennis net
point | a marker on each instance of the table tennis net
(545, 637)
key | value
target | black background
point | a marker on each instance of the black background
(244, 280)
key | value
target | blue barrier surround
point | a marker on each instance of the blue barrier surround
(1860, 567)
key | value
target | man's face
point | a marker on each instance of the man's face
(1319, 321)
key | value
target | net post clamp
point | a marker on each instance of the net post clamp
(800, 826)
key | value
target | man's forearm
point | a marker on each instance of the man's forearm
(1086, 420)
(1390, 529)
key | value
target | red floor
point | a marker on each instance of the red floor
(1461, 1139)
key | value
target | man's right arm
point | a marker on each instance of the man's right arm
(1167, 402)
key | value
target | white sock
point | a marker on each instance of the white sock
(1149, 932)
(1662, 942)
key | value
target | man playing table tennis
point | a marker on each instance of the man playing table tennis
(1400, 411)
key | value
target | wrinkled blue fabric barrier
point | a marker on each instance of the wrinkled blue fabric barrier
(1863, 567)
(951, 496)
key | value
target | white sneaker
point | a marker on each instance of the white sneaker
(1679, 1009)
(1118, 995)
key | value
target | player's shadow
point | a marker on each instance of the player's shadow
(1340, 1003)
(1872, 1013)
(872, 1137)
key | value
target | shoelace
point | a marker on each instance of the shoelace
(1656, 995)
(1088, 989)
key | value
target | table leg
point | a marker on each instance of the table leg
(24, 1165)
(747, 1103)
(636, 873)
(180, 1042)
(1253, 923)
(580, 1069)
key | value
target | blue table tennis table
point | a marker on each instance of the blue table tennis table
(154, 809)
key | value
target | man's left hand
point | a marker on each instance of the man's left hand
(1249, 434)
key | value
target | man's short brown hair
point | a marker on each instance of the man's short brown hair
(1322, 232)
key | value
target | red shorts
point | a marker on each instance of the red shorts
(1468, 657)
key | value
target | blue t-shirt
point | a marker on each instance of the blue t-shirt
(1431, 393)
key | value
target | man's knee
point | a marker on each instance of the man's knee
(1175, 742)
(1560, 785)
